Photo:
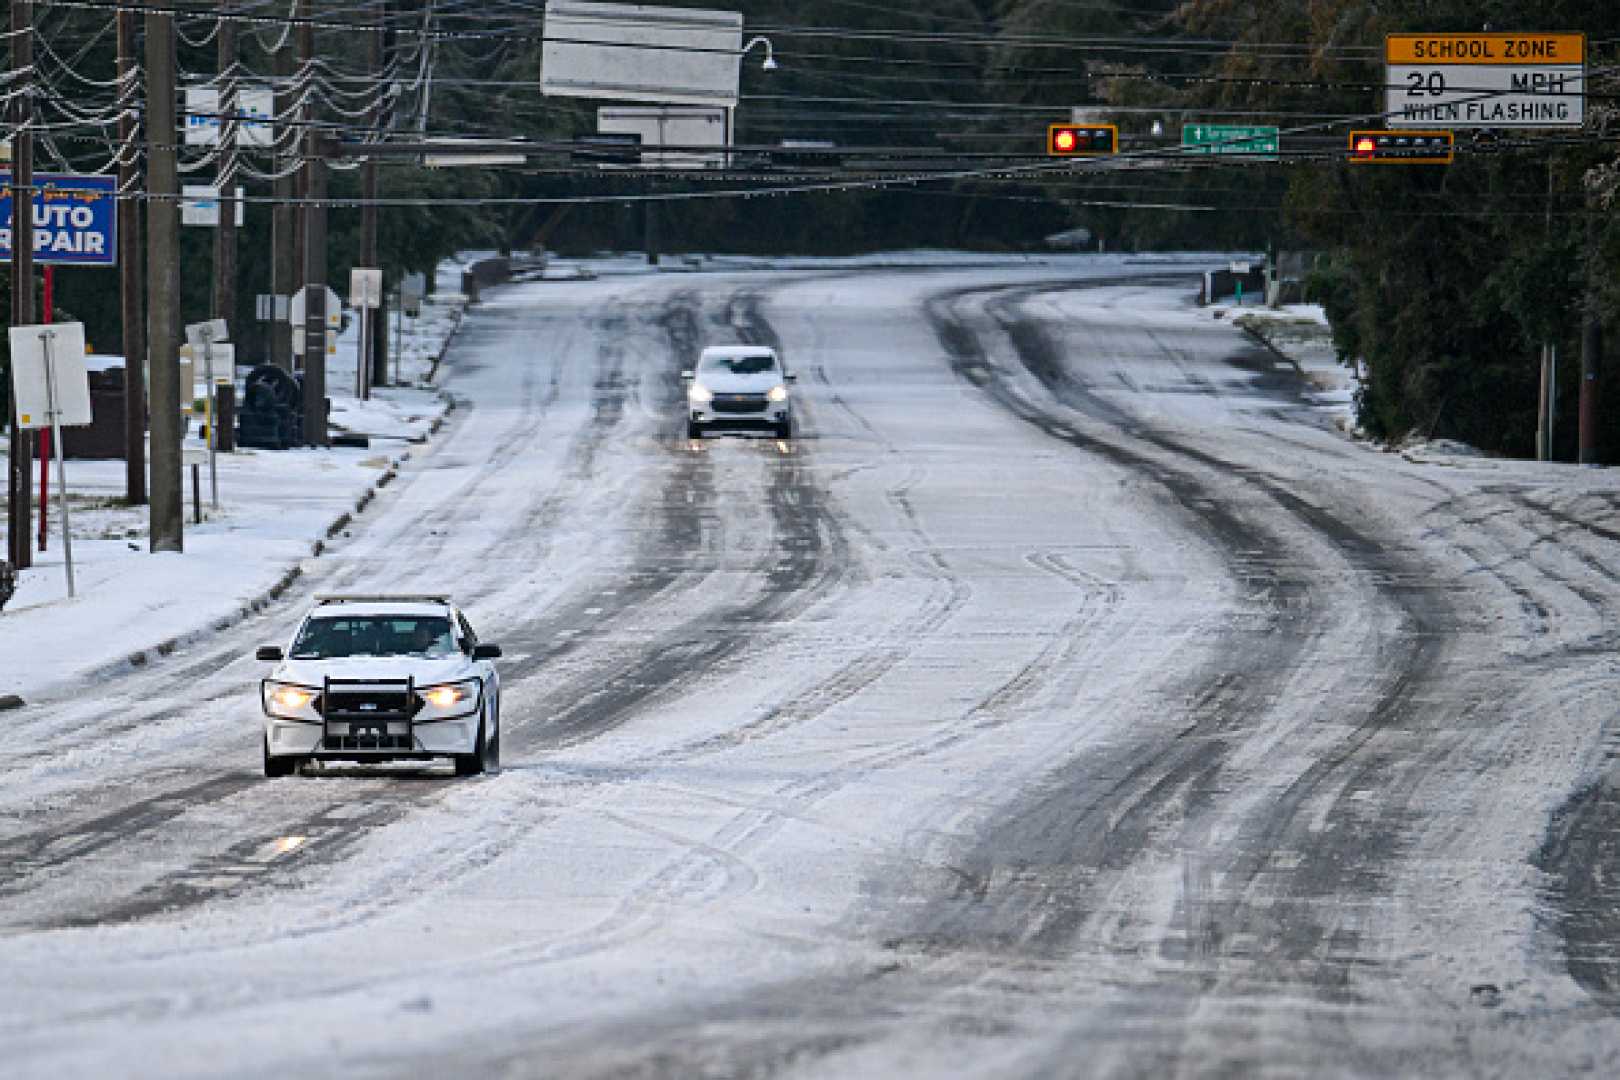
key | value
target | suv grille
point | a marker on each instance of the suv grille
(739, 403)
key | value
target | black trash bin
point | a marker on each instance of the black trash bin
(271, 416)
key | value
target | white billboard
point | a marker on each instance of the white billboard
(255, 109)
(199, 205)
(634, 52)
(669, 125)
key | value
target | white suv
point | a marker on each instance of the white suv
(382, 678)
(740, 387)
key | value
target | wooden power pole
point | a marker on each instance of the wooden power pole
(315, 430)
(378, 341)
(19, 511)
(129, 269)
(284, 271)
(225, 235)
(167, 513)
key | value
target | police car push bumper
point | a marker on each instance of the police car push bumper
(385, 717)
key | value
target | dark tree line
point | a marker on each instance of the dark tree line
(1442, 282)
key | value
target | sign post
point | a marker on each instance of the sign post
(45, 436)
(51, 388)
(365, 296)
(207, 334)
(412, 291)
(1485, 80)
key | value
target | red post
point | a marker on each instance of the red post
(45, 433)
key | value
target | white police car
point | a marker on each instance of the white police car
(382, 678)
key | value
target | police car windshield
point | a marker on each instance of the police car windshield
(756, 364)
(334, 637)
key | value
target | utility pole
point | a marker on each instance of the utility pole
(1591, 336)
(20, 511)
(1549, 356)
(315, 430)
(163, 286)
(284, 271)
(378, 345)
(129, 269)
(225, 235)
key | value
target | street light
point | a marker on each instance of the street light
(770, 54)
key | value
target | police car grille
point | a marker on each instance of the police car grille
(371, 705)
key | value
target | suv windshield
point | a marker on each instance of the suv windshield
(374, 635)
(756, 364)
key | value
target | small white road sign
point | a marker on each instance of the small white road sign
(49, 381)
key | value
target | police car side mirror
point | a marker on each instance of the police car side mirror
(790, 377)
(269, 653)
(486, 652)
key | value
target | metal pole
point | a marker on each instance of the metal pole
(61, 469)
(213, 419)
(399, 332)
(45, 434)
(1552, 394)
(362, 366)
(1543, 412)
(167, 513)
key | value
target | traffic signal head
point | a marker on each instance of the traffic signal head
(1081, 140)
(1401, 147)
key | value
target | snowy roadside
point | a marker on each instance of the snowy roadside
(276, 509)
(1298, 334)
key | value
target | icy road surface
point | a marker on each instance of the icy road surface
(1070, 700)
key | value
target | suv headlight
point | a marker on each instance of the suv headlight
(289, 701)
(698, 394)
(777, 393)
(448, 700)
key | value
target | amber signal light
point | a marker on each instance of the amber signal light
(1401, 147)
(1082, 140)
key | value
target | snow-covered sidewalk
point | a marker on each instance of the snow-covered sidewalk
(276, 509)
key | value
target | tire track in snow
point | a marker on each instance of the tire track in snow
(51, 849)
(1086, 833)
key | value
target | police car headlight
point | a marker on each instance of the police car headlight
(777, 393)
(290, 701)
(698, 394)
(450, 699)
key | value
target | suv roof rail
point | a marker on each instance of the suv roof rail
(383, 598)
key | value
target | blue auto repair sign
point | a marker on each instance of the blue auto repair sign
(75, 219)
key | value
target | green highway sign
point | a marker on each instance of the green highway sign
(1229, 139)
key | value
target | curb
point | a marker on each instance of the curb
(1257, 336)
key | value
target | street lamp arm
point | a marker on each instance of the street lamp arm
(770, 53)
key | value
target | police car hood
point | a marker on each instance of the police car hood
(422, 670)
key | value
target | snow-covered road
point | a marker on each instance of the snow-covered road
(1071, 699)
